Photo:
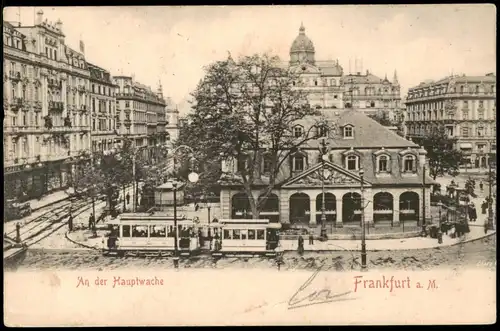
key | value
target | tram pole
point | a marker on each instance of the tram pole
(363, 233)
(176, 249)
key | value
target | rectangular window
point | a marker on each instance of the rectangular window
(298, 163)
(126, 231)
(348, 132)
(408, 165)
(157, 231)
(260, 235)
(267, 164)
(236, 234)
(251, 234)
(227, 234)
(352, 163)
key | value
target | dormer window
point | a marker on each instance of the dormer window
(298, 162)
(348, 132)
(266, 163)
(352, 162)
(383, 163)
(322, 131)
(242, 163)
(298, 131)
(409, 163)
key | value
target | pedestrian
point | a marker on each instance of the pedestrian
(300, 247)
(91, 220)
(473, 213)
(484, 206)
(311, 239)
(481, 186)
(70, 222)
(127, 197)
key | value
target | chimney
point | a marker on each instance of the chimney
(39, 17)
(59, 25)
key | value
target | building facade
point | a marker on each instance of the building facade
(328, 86)
(464, 105)
(395, 189)
(102, 109)
(141, 115)
(46, 106)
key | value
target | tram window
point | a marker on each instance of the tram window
(170, 232)
(260, 235)
(157, 231)
(243, 234)
(227, 234)
(236, 234)
(251, 234)
(140, 231)
(126, 230)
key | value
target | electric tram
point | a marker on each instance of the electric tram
(145, 233)
(245, 236)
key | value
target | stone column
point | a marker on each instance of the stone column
(312, 215)
(225, 204)
(368, 210)
(339, 223)
(284, 207)
(395, 215)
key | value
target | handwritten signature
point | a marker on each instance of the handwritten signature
(325, 295)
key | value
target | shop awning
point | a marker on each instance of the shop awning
(466, 146)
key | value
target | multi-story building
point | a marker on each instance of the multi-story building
(464, 105)
(103, 109)
(141, 114)
(395, 191)
(46, 124)
(328, 87)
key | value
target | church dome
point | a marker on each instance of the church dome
(302, 43)
(302, 49)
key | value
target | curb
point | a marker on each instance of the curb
(394, 250)
(79, 244)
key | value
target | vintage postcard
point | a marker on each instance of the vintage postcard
(249, 165)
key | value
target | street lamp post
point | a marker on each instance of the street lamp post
(324, 157)
(490, 198)
(363, 233)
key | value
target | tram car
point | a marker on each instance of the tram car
(253, 236)
(145, 233)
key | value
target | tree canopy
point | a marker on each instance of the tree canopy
(443, 159)
(242, 110)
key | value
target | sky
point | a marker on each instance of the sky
(174, 44)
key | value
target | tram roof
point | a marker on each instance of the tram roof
(243, 226)
(150, 217)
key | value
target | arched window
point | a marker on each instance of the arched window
(409, 163)
(383, 163)
(298, 131)
(352, 162)
(298, 162)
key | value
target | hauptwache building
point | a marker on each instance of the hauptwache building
(394, 188)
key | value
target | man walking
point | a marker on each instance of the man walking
(70, 221)
(311, 239)
(127, 197)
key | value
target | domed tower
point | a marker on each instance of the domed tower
(302, 49)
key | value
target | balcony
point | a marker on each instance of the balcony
(54, 83)
(82, 88)
(15, 75)
(37, 106)
(56, 105)
(16, 104)
(83, 108)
